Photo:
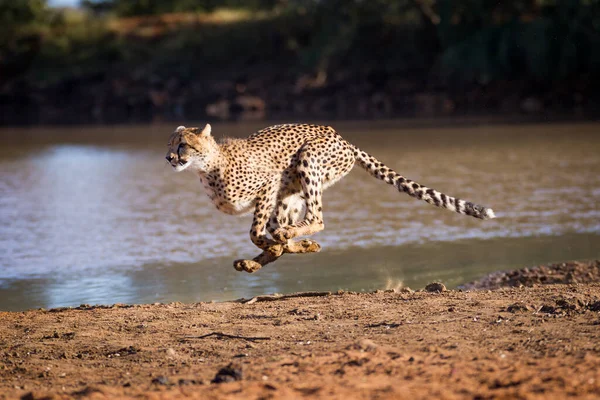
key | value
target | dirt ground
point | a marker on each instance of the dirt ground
(526, 342)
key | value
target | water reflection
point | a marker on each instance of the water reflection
(99, 216)
(356, 269)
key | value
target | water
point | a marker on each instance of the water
(95, 215)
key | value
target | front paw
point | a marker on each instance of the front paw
(246, 265)
(310, 246)
(282, 235)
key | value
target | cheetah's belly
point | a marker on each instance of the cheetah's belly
(237, 208)
(332, 178)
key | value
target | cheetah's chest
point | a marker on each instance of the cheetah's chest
(225, 203)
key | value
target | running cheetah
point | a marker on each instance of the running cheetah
(280, 174)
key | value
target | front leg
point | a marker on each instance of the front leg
(264, 207)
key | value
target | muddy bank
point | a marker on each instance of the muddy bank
(561, 273)
(527, 342)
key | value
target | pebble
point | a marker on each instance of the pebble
(435, 287)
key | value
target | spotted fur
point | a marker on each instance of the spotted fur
(279, 173)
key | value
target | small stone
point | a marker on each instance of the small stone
(594, 306)
(546, 309)
(171, 352)
(161, 380)
(232, 372)
(435, 287)
(364, 345)
(517, 307)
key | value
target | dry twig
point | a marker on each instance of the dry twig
(228, 336)
(273, 297)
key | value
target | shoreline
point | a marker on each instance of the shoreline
(526, 342)
(409, 122)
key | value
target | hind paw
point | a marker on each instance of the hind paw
(304, 246)
(246, 265)
(283, 234)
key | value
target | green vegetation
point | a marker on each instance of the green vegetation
(134, 8)
(441, 43)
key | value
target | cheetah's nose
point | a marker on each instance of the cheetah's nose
(169, 158)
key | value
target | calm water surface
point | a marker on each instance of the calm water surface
(95, 215)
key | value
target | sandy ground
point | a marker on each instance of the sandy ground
(528, 342)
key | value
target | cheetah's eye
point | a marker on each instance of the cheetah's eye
(181, 147)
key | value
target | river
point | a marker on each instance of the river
(95, 215)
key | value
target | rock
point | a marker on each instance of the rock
(569, 304)
(364, 345)
(547, 309)
(170, 352)
(186, 382)
(518, 307)
(230, 373)
(435, 287)
(161, 380)
(595, 306)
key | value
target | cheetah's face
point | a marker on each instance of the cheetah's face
(187, 147)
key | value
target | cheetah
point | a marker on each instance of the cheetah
(279, 173)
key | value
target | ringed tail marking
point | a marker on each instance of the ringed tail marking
(414, 189)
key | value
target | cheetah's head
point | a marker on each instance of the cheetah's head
(190, 147)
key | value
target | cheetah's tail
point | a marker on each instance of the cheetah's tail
(431, 196)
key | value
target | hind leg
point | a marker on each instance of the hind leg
(311, 180)
(289, 210)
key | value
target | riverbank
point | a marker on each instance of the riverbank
(525, 342)
(80, 67)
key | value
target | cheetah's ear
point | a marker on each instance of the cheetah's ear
(179, 128)
(206, 130)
